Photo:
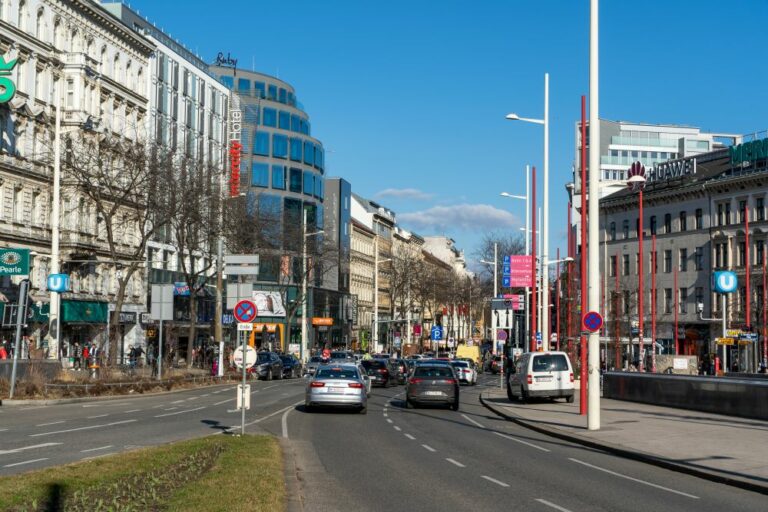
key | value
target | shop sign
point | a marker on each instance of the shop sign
(748, 151)
(235, 150)
(322, 321)
(181, 289)
(679, 168)
(7, 87)
(14, 262)
(225, 60)
(127, 318)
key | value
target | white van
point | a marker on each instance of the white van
(541, 375)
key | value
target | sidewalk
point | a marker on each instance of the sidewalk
(719, 448)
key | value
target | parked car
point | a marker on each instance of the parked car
(381, 371)
(541, 375)
(291, 366)
(312, 365)
(432, 384)
(465, 372)
(493, 364)
(336, 386)
(268, 366)
(366, 378)
(339, 356)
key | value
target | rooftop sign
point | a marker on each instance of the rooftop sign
(225, 60)
(673, 169)
(748, 151)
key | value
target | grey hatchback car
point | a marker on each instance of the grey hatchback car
(432, 384)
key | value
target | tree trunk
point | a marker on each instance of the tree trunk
(192, 325)
(115, 318)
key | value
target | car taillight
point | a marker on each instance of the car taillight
(355, 385)
(317, 384)
(383, 370)
(415, 380)
(530, 379)
(450, 381)
(571, 376)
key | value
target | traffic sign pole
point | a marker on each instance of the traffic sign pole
(242, 335)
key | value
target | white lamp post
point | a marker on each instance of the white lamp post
(495, 286)
(545, 218)
(527, 198)
(305, 235)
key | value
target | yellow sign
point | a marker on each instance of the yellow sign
(317, 320)
(732, 333)
(724, 341)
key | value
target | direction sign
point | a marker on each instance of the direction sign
(506, 282)
(506, 259)
(245, 311)
(250, 356)
(436, 334)
(593, 321)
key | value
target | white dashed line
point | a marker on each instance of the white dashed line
(553, 505)
(51, 423)
(456, 463)
(207, 394)
(82, 428)
(427, 447)
(3, 429)
(522, 442)
(132, 410)
(193, 398)
(634, 479)
(225, 401)
(473, 421)
(25, 462)
(97, 416)
(398, 428)
(96, 449)
(389, 421)
(497, 482)
(409, 436)
(177, 401)
(17, 450)
(386, 415)
(179, 412)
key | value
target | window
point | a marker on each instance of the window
(295, 180)
(654, 262)
(612, 268)
(284, 120)
(699, 297)
(278, 177)
(279, 146)
(626, 302)
(727, 213)
(261, 144)
(741, 254)
(683, 221)
(260, 89)
(309, 153)
(309, 183)
(625, 264)
(625, 228)
(742, 210)
(667, 300)
(668, 261)
(653, 224)
(319, 187)
(282, 95)
(259, 174)
(682, 300)
(296, 145)
(243, 86)
(742, 297)
(270, 117)
(70, 93)
(698, 260)
(637, 263)
(612, 232)
(295, 123)
(683, 255)
(699, 218)
(720, 212)
(667, 223)
(760, 250)
(272, 92)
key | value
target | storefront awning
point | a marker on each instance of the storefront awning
(83, 311)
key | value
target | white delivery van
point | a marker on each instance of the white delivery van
(541, 375)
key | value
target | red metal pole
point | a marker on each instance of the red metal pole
(583, 259)
(748, 296)
(641, 291)
(677, 339)
(532, 341)
(615, 320)
(653, 300)
(557, 302)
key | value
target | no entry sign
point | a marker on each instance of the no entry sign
(245, 311)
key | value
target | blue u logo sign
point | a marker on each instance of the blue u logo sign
(725, 282)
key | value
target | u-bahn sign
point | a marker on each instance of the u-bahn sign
(725, 281)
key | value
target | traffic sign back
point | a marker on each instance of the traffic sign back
(245, 311)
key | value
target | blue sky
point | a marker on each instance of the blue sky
(409, 96)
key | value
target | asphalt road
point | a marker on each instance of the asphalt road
(392, 458)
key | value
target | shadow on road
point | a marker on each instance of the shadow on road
(54, 501)
(217, 425)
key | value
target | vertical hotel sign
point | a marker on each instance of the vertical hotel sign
(235, 147)
(7, 87)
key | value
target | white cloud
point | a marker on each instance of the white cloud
(404, 193)
(459, 217)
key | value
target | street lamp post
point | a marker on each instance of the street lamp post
(495, 287)
(545, 217)
(304, 301)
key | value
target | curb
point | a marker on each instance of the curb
(77, 400)
(628, 454)
(293, 495)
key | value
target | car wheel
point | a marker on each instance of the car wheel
(569, 399)
(408, 404)
(455, 405)
(280, 373)
(269, 374)
(523, 394)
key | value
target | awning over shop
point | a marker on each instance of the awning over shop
(83, 311)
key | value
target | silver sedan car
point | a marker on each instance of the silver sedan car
(339, 385)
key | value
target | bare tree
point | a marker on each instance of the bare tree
(508, 244)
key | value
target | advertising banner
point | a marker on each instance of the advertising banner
(269, 303)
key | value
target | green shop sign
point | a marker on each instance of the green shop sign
(14, 262)
(7, 87)
(749, 151)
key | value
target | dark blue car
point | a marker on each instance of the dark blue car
(291, 366)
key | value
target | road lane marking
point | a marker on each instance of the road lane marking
(179, 412)
(409, 436)
(97, 416)
(193, 398)
(224, 401)
(17, 450)
(284, 422)
(259, 420)
(389, 421)
(398, 428)
(132, 410)
(96, 449)
(25, 462)
(51, 423)
(633, 479)
(177, 401)
(553, 505)
(3, 429)
(90, 427)
(270, 387)
(497, 482)
(207, 394)
(522, 442)
(386, 415)
(427, 447)
(456, 463)
(473, 421)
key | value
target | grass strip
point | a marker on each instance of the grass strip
(212, 473)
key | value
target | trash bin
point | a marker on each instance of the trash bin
(94, 371)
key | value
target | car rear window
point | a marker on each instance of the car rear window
(373, 364)
(339, 355)
(337, 373)
(460, 364)
(550, 363)
(315, 359)
(433, 371)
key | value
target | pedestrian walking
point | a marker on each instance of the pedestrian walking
(78, 354)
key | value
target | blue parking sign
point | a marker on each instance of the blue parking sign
(436, 334)
(505, 281)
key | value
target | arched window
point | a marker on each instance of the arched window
(58, 33)
(103, 61)
(40, 24)
(128, 81)
(22, 22)
(116, 68)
